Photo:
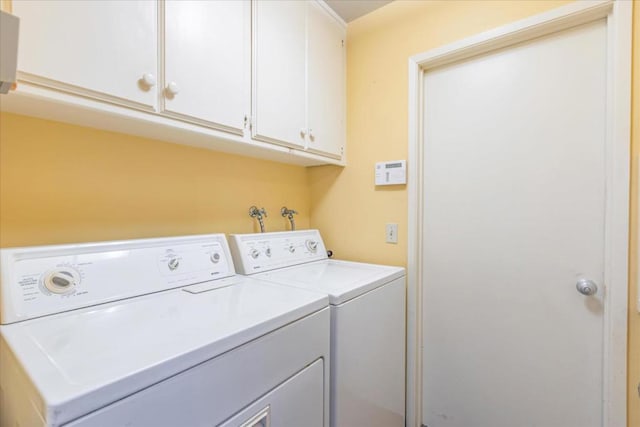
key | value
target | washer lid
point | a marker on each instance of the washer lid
(341, 280)
(82, 360)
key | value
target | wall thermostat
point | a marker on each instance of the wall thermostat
(391, 173)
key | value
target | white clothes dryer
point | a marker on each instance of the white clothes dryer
(367, 320)
(156, 332)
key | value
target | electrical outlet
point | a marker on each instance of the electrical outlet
(392, 233)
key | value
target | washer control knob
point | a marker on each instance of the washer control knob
(312, 245)
(173, 263)
(60, 281)
(292, 248)
(267, 252)
(254, 253)
(215, 257)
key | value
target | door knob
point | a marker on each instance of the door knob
(586, 287)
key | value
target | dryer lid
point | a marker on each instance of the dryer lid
(82, 360)
(341, 280)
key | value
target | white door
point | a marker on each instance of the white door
(95, 48)
(206, 61)
(326, 82)
(514, 213)
(279, 78)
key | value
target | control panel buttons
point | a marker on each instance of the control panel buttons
(61, 281)
(254, 253)
(173, 263)
(312, 245)
(215, 257)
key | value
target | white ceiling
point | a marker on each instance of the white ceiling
(352, 9)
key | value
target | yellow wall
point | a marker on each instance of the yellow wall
(63, 183)
(345, 202)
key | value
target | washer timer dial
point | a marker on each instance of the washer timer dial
(174, 263)
(312, 245)
(61, 281)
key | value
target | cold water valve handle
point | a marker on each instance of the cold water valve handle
(254, 212)
(289, 213)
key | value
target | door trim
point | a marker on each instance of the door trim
(618, 15)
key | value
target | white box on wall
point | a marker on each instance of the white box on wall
(391, 172)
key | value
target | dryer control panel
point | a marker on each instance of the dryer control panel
(259, 252)
(44, 280)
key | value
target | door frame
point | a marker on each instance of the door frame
(618, 16)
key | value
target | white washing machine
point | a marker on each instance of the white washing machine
(367, 320)
(156, 332)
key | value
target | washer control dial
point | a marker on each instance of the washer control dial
(254, 253)
(61, 281)
(312, 245)
(292, 248)
(173, 263)
(267, 252)
(215, 257)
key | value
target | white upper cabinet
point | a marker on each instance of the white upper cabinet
(279, 78)
(326, 82)
(207, 62)
(298, 79)
(262, 78)
(100, 49)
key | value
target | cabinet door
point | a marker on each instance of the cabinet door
(326, 84)
(95, 48)
(207, 61)
(279, 72)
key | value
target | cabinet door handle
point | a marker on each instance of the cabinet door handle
(149, 80)
(172, 89)
(303, 133)
(312, 137)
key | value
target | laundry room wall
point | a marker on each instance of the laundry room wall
(61, 183)
(345, 204)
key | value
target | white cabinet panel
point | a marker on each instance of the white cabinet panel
(326, 84)
(95, 48)
(205, 71)
(299, 76)
(368, 358)
(279, 72)
(206, 57)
